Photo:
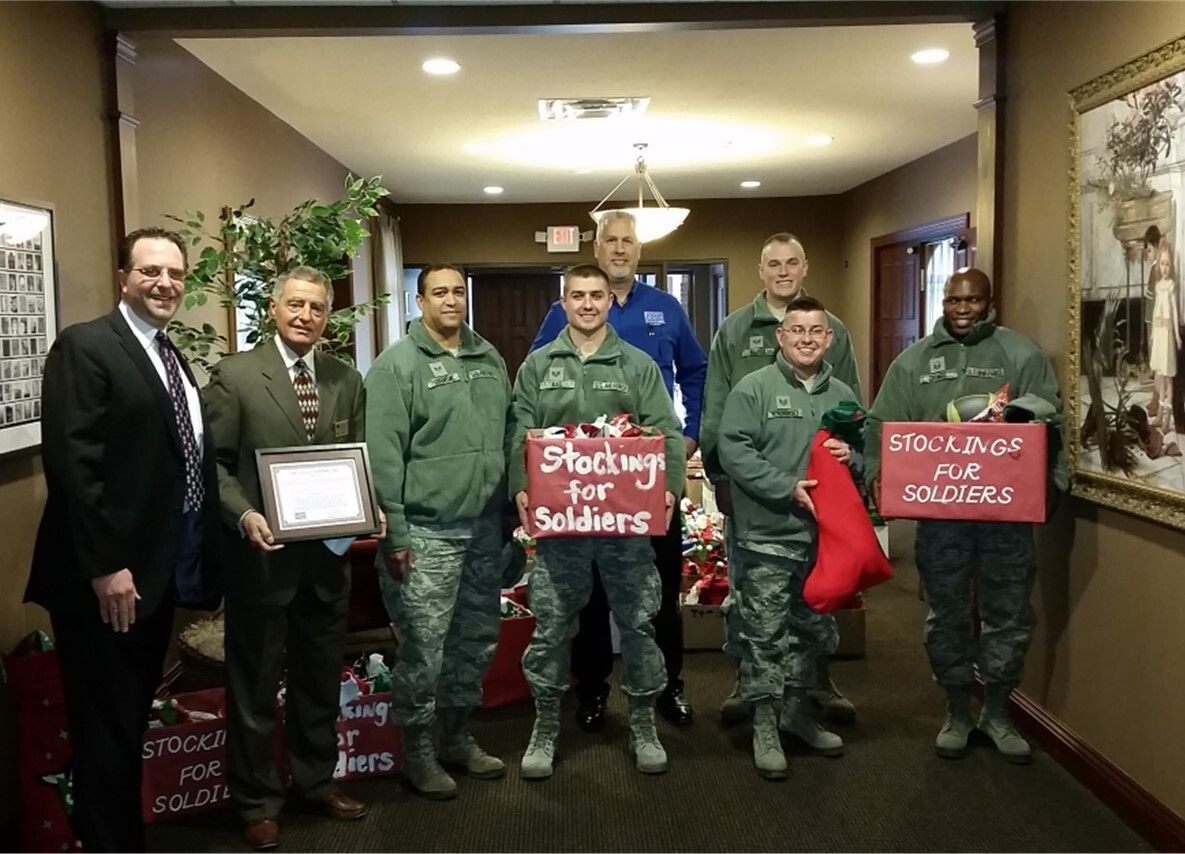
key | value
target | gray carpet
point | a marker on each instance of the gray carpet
(889, 793)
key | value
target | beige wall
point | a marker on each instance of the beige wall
(731, 230)
(54, 142)
(203, 144)
(939, 185)
(1107, 655)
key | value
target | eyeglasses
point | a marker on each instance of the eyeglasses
(816, 332)
(154, 272)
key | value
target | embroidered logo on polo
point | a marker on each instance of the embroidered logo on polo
(758, 347)
(654, 318)
(610, 385)
(993, 373)
(557, 378)
(442, 375)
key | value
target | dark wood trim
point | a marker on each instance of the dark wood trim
(1134, 804)
(196, 22)
(938, 229)
(125, 186)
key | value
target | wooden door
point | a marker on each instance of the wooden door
(508, 309)
(897, 321)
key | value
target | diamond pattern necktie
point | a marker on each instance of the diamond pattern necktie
(195, 490)
(306, 397)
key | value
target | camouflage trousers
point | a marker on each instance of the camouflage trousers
(779, 636)
(999, 558)
(559, 587)
(446, 613)
(731, 611)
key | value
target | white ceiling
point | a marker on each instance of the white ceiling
(726, 105)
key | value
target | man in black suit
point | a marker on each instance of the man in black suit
(129, 529)
(285, 604)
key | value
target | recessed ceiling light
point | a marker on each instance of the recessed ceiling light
(750, 185)
(930, 56)
(492, 190)
(818, 140)
(441, 66)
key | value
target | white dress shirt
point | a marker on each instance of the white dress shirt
(289, 356)
(145, 333)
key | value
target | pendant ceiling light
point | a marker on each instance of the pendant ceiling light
(653, 222)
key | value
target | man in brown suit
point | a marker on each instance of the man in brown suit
(285, 604)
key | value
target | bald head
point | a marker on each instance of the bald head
(974, 277)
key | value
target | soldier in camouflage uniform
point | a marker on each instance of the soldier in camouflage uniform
(769, 424)
(440, 402)
(586, 372)
(745, 343)
(967, 353)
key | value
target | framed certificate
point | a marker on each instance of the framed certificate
(317, 492)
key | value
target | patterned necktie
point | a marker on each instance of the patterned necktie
(306, 397)
(195, 490)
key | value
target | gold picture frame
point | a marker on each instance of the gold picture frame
(1127, 226)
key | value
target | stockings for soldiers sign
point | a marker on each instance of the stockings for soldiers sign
(596, 487)
(969, 471)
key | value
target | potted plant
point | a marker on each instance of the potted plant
(243, 255)
(1134, 146)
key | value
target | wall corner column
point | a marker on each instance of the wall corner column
(989, 39)
(121, 58)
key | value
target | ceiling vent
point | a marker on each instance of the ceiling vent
(561, 109)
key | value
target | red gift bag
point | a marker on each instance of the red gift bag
(504, 682)
(849, 557)
(596, 487)
(43, 751)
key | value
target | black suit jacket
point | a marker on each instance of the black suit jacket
(115, 473)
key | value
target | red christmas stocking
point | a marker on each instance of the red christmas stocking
(850, 558)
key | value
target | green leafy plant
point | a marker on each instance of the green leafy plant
(242, 256)
(1136, 143)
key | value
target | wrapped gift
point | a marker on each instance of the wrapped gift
(600, 487)
(989, 472)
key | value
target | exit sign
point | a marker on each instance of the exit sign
(563, 238)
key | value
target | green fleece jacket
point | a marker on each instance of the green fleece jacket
(940, 368)
(440, 426)
(744, 343)
(769, 423)
(555, 387)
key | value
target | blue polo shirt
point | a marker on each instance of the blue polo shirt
(654, 322)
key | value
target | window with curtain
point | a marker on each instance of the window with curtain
(940, 263)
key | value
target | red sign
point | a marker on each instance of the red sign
(596, 487)
(185, 765)
(970, 471)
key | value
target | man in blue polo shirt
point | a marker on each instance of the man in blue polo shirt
(655, 322)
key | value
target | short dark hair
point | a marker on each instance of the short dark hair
(436, 268)
(805, 302)
(584, 271)
(151, 233)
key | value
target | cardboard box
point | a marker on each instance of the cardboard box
(703, 627)
(694, 490)
(596, 487)
(970, 471)
(851, 632)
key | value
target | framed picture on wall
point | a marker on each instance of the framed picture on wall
(1125, 422)
(28, 318)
